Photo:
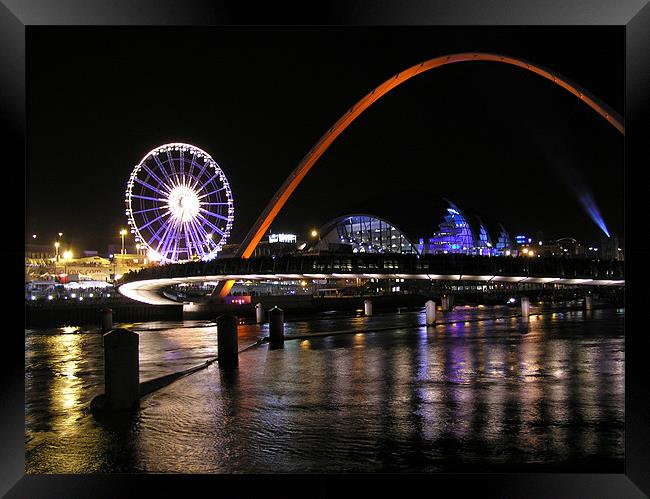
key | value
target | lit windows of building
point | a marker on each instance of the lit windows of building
(363, 234)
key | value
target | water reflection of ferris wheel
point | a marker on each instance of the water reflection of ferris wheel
(179, 204)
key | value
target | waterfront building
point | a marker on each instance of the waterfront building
(278, 244)
(362, 233)
(610, 249)
(482, 242)
(504, 244)
(567, 247)
(522, 239)
(39, 251)
(116, 249)
(89, 268)
(456, 235)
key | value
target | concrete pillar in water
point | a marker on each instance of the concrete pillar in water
(445, 303)
(227, 347)
(121, 369)
(259, 313)
(525, 307)
(106, 319)
(367, 307)
(589, 302)
(276, 326)
(430, 307)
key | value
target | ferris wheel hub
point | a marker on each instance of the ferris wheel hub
(183, 203)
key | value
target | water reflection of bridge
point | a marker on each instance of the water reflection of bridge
(146, 285)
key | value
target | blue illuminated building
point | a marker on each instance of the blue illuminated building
(503, 242)
(454, 234)
(457, 235)
(483, 244)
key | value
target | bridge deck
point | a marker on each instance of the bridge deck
(145, 284)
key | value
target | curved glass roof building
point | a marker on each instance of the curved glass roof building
(365, 234)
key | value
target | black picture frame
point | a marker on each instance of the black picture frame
(634, 15)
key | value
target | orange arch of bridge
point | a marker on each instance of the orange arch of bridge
(282, 195)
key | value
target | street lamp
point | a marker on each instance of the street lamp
(123, 233)
(56, 250)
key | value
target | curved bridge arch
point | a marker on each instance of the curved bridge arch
(284, 192)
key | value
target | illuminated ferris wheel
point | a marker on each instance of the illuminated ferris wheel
(179, 204)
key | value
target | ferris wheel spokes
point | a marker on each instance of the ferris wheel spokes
(155, 220)
(151, 187)
(153, 175)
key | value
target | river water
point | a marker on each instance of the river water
(464, 396)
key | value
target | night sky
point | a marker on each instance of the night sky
(501, 142)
